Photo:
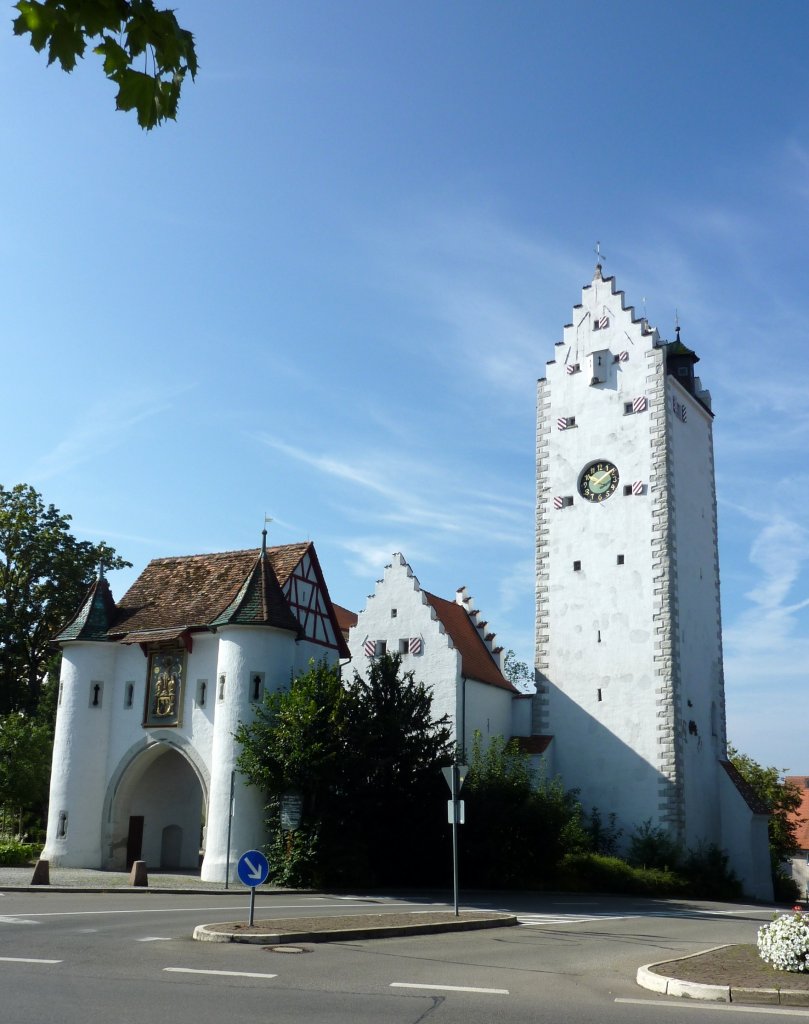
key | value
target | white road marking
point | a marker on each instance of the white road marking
(155, 938)
(23, 918)
(534, 920)
(451, 988)
(26, 960)
(228, 974)
(691, 1004)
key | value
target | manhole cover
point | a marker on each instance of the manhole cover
(286, 949)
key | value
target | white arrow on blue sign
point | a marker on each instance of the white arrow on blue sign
(253, 868)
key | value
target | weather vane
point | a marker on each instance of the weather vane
(267, 519)
(597, 251)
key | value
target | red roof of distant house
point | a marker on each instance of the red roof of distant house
(345, 618)
(477, 661)
(801, 815)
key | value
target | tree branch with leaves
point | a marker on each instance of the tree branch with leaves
(145, 51)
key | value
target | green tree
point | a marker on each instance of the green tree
(365, 758)
(517, 672)
(44, 573)
(519, 823)
(25, 761)
(398, 795)
(124, 32)
(783, 800)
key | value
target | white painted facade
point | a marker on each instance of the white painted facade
(628, 643)
(400, 611)
(108, 766)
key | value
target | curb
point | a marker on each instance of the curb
(129, 890)
(208, 933)
(648, 978)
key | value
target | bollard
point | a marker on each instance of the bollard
(41, 873)
(138, 876)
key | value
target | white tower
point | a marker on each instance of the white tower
(629, 648)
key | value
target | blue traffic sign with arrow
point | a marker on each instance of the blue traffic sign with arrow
(253, 868)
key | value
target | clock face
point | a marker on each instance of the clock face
(598, 481)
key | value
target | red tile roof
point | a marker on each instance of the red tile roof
(801, 816)
(190, 590)
(477, 661)
(345, 618)
(533, 744)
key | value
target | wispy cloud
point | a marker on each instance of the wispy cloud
(100, 428)
(487, 286)
(426, 498)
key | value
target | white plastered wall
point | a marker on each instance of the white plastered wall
(744, 837)
(243, 651)
(81, 742)
(698, 643)
(595, 644)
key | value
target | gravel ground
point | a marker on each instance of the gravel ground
(84, 878)
(737, 966)
(361, 921)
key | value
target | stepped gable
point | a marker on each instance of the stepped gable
(193, 591)
(477, 660)
(94, 615)
(619, 292)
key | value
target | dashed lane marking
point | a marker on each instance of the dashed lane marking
(535, 920)
(24, 918)
(155, 938)
(227, 974)
(26, 960)
(451, 988)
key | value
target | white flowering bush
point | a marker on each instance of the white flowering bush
(785, 942)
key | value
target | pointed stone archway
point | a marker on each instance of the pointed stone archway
(154, 808)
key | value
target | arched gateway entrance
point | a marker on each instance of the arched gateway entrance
(154, 810)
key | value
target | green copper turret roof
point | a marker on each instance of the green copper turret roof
(260, 601)
(94, 617)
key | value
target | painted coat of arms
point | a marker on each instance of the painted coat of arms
(164, 697)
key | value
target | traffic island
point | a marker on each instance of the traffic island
(358, 926)
(727, 974)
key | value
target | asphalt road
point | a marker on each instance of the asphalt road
(73, 958)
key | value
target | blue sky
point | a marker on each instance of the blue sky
(327, 291)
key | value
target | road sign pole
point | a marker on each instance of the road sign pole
(455, 775)
(253, 869)
(455, 837)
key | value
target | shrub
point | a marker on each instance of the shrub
(785, 888)
(594, 872)
(519, 823)
(603, 838)
(785, 942)
(709, 875)
(14, 854)
(652, 847)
